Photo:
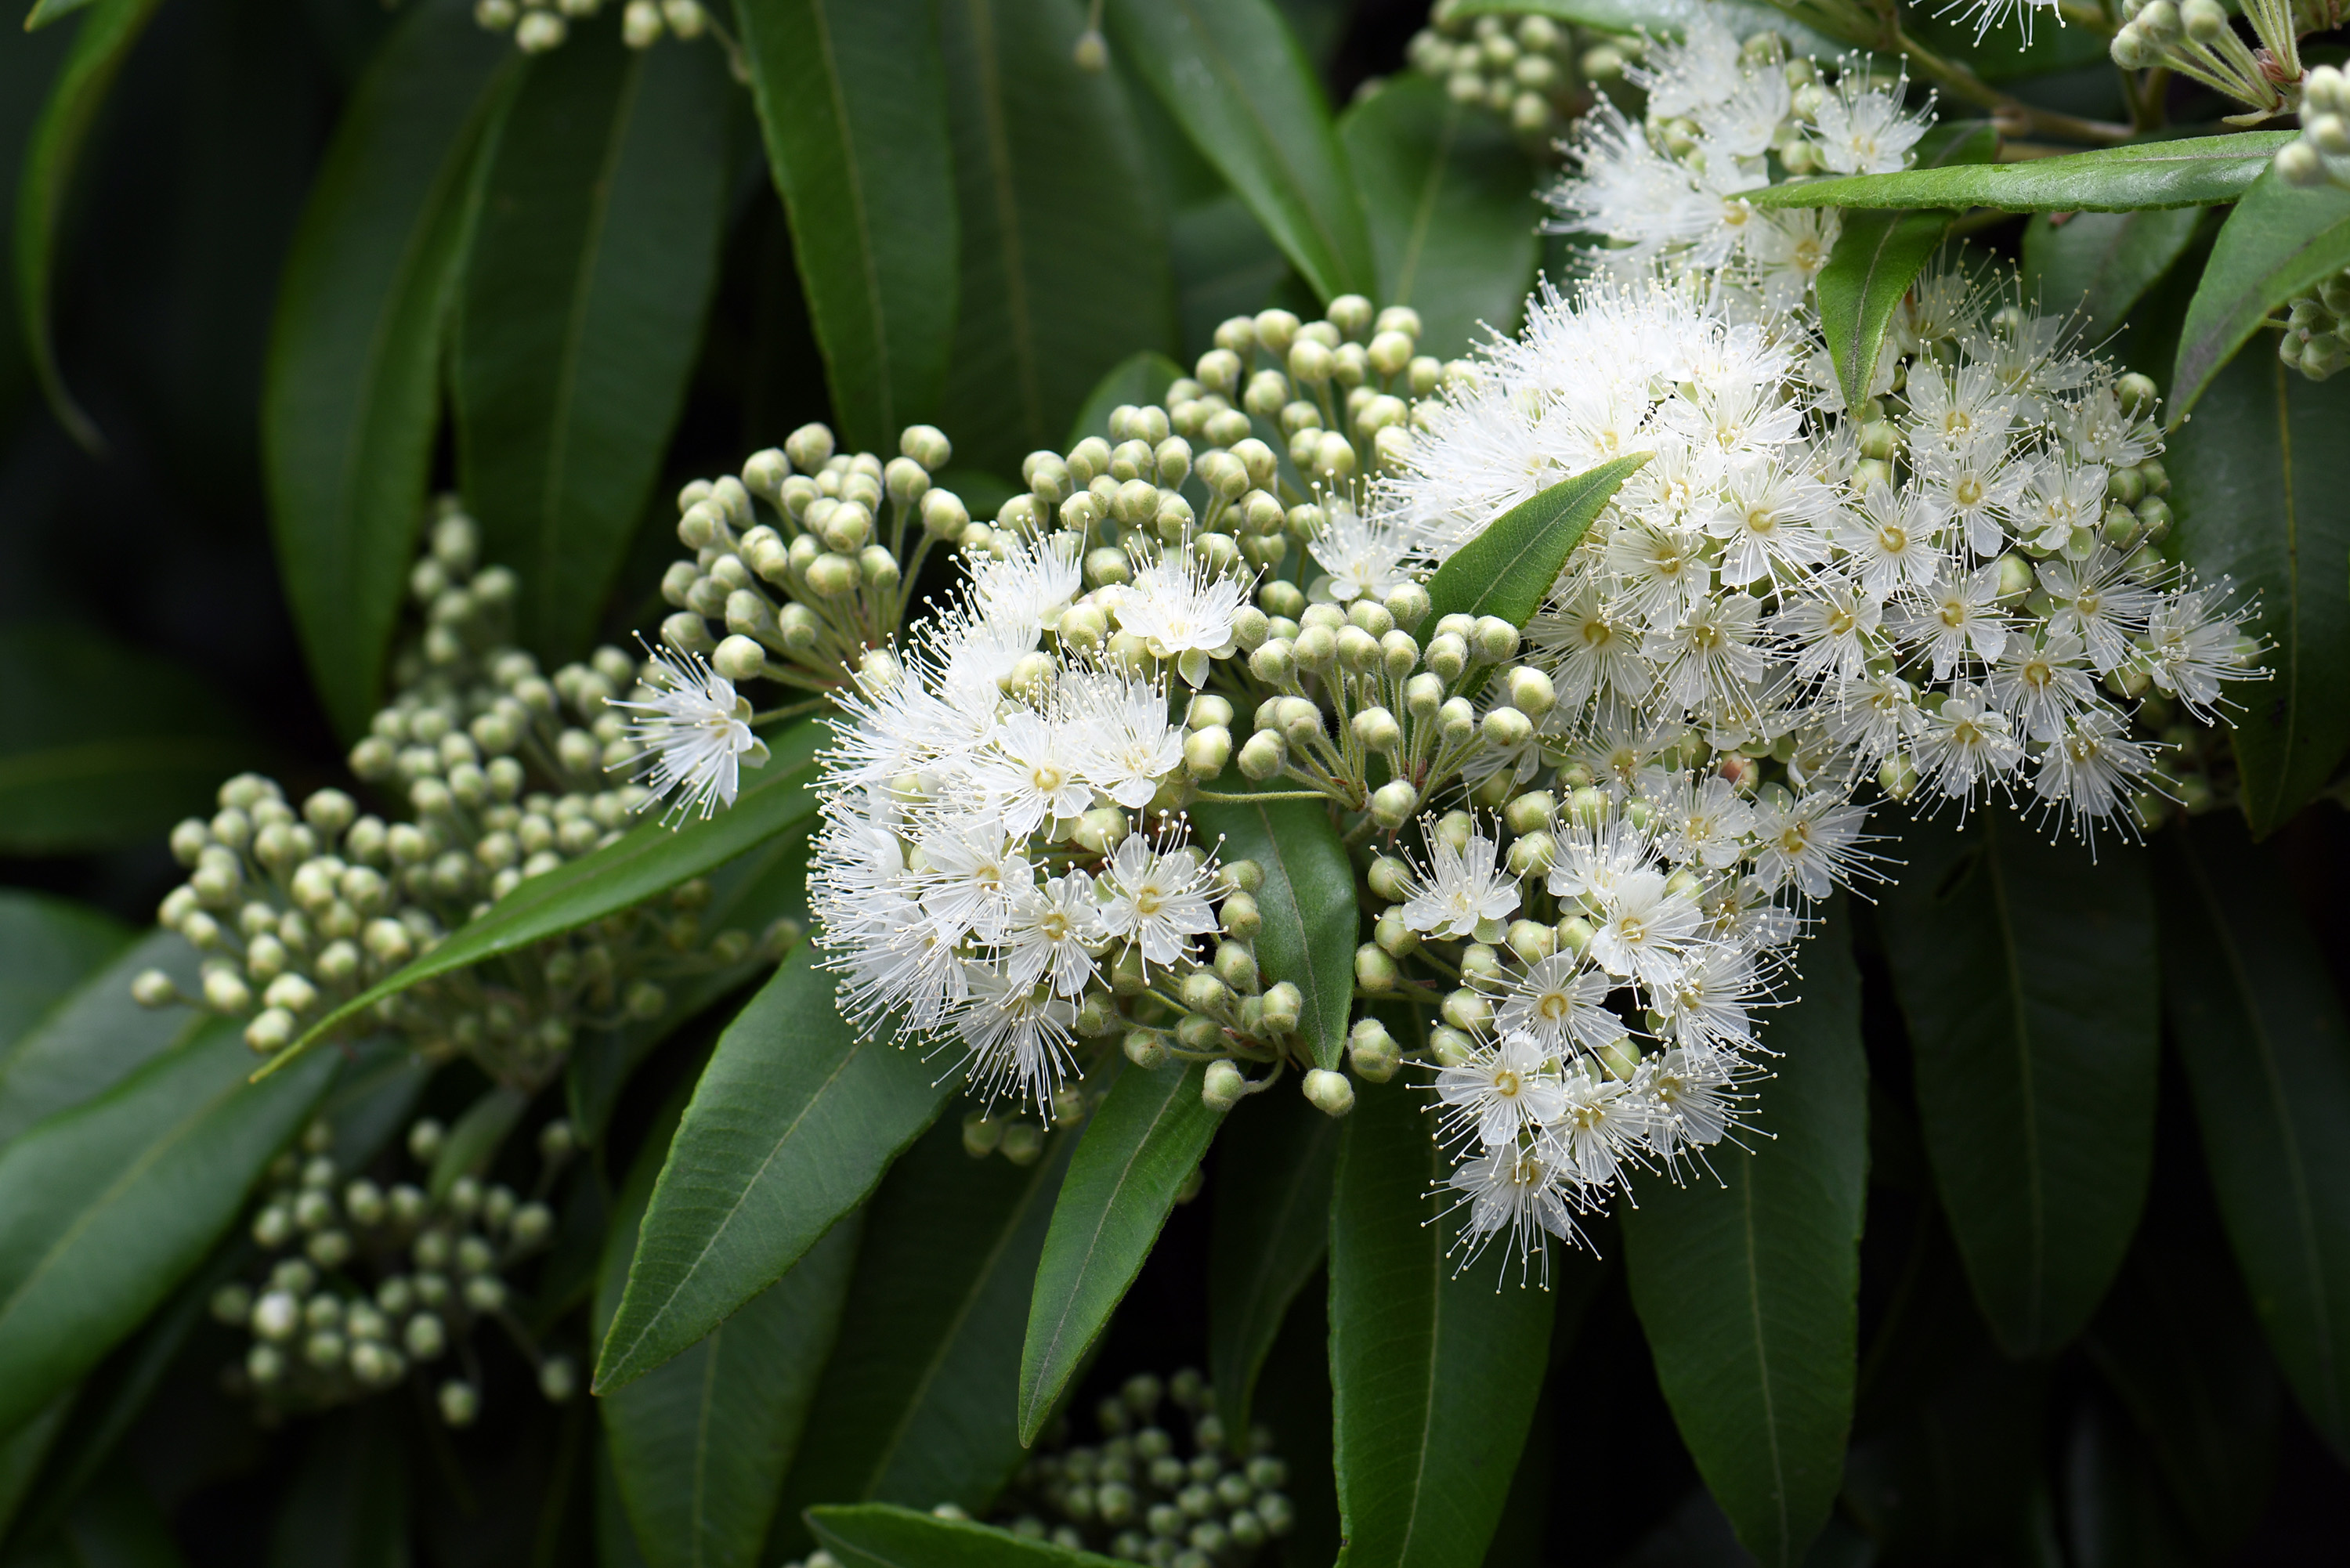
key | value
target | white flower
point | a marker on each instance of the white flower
(1121, 733)
(1560, 1004)
(1512, 1191)
(1365, 556)
(1503, 1090)
(2101, 601)
(2091, 770)
(1892, 538)
(2194, 648)
(1035, 769)
(1691, 1088)
(1053, 929)
(1811, 844)
(972, 874)
(2041, 686)
(1967, 743)
(1155, 898)
(1645, 929)
(1959, 617)
(1183, 609)
(1462, 889)
(1601, 1124)
(1859, 130)
(1702, 822)
(692, 733)
(1018, 1037)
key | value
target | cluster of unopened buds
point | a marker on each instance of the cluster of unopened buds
(539, 26)
(2316, 337)
(366, 1284)
(2198, 39)
(2320, 155)
(1537, 74)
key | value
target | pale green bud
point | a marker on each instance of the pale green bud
(1377, 729)
(1375, 971)
(1394, 938)
(1206, 752)
(1328, 1092)
(1224, 1087)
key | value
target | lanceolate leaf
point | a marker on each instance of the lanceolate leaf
(791, 1125)
(877, 1535)
(1435, 1373)
(852, 99)
(584, 297)
(2262, 1032)
(1065, 257)
(1142, 1143)
(653, 855)
(919, 1404)
(2103, 263)
(351, 390)
(1665, 18)
(1449, 201)
(2194, 172)
(1138, 379)
(1311, 916)
(2026, 973)
(47, 946)
(2279, 241)
(95, 1035)
(104, 1206)
(2259, 474)
(1231, 75)
(1747, 1291)
(1508, 569)
(1272, 1227)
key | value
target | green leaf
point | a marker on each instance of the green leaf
(649, 858)
(1065, 258)
(94, 1035)
(582, 307)
(1139, 378)
(1450, 203)
(104, 746)
(104, 1206)
(24, 1451)
(879, 1535)
(2279, 241)
(469, 1145)
(346, 1506)
(918, 1404)
(2103, 263)
(101, 44)
(351, 395)
(1141, 1145)
(2258, 477)
(1231, 75)
(1225, 265)
(1508, 569)
(2262, 1032)
(2026, 973)
(1272, 1227)
(1879, 255)
(698, 1444)
(1665, 18)
(1312, 918)
(47, 946)
(2193, 171)
(852, 99)
(793, 1124)
(1749, 1291)
(1436, 1363)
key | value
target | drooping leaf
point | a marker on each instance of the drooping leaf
(1749, 1291)
(2117, 1512)
(1225, 265)
(1272, 1229)
(1508, 569)
(346, 1506)
(2103, 263)
(1231, 75)
(2026, 971)
(1312, 919)
(584, 296)
(102, 745)
(1065, 260)
(918, 1403)
(104, 1206)
(792, 1123)
(2258, 478)
(2279, 242)
(650, 857)
(880, 1535)
(1140, 1145)
(1139, 378)
(1449, 201)
(350, 392)
(473, 1142)
(2266, 1046)
(1879, 255)
(2192, 171)
(94, 1035)
(852, 99)
(47, 946)
(1436, 1366)
(24, 1451)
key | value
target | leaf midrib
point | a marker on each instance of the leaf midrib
(1763, 1358)
(1423, 216)
(2291, 673)
(861, 221)
(1024, 359)
(2036, 1205)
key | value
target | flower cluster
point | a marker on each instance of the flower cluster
(362, 1284)
(2198, 39)
(2320, 155)
(2316, 340)
(1534, 72)
(539, 26)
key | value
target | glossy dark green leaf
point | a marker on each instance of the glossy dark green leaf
(1232, 76)
(2193, 171)
(852, 99)
(350, 394)
(47, 946)
(101, 746)
(1272, 1229)
(1879, 255)
(1436, 1362)
(117, 1525)
(698, 1445)
(584, 296)
(1225, 265)
(1065, 261)
(1142, 1143)
(1665, 18)
(2258, 480)
(879, 1535)
(2117, 1512)
(101, 44)
(104, 1206)
(1749, 1290)
(1450, 200)
(2102, 264)
(1312, 918)
(1508, 569)
(473, 1142)
(654, 855)
(2279, 242)
(919, 1404)
(24, 1451)
(2026, 973)
(2262, 1032)
(1139, 379)
(348, 1504)
(793, 1124)
(94, 1035)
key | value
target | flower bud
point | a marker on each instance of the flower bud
(1328, 1092)
(1265, 755)
(1377, 729)
(1395, 939)
(1375, 973)
(1223, 1086)
(1447, 657)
